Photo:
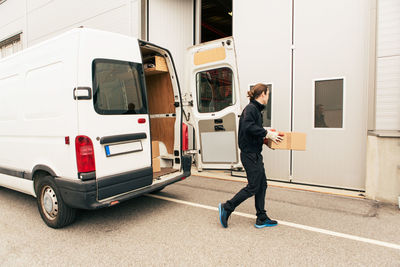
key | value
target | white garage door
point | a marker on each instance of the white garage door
(315, 55)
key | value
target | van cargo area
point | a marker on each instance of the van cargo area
(162, 111)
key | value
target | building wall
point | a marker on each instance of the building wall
(172, 29)
(42, 19)
(170, 22)
(388, 66)
(12, 19)
(263, 45)
(383, 147)
(383, 168)
(259, 34)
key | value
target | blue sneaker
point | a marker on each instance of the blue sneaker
(266, 223)
(223, 215)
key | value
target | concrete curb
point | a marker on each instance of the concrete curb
(226, 175)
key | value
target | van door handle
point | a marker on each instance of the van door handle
(122, 138)
(82, 93)
(219, 128)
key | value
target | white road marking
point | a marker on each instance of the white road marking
(294, 225)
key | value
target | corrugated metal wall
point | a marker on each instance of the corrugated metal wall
(171, 26)
(388, 66)
(39, 20)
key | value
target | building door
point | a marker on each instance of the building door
(262, 32)
(315, 56)
(330, 91)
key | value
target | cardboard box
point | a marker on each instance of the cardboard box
(298, 141)
(155, 149)
(156, 165)
(281, 145)
(291, 141)
(160, 66)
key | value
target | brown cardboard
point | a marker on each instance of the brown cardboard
(160, 66)
(298, 141)
(156, 165)
(291, 141)
(284, 144)
(210, 55)
(155, 149)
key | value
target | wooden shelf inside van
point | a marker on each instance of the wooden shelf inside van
(158, 65)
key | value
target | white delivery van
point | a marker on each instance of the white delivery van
(78, 114)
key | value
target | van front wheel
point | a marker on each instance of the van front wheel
(54, 212)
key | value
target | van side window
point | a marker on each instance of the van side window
(214, 90)
(118, 87)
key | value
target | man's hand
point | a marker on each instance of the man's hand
(274, 136)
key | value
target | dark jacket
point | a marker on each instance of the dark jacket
(251, 131)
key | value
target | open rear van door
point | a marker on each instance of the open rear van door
(214, 86)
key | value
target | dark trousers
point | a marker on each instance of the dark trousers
(257, 184)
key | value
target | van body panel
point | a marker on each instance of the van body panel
(83, 194)
(96, 126)
(17, 184)
(32, 128)
(116, 184)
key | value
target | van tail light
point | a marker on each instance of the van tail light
(185, 137)
(84, 154)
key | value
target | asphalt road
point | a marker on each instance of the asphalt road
(148, 231)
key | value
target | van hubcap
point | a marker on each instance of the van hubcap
(49, 202)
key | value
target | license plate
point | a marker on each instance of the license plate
(113, 150)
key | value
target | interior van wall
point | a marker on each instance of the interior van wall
(172, 29)
(42, 19)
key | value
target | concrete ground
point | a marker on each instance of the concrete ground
(182, 229)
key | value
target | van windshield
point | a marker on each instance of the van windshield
(118, 87)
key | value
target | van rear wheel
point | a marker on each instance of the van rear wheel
(54, 212)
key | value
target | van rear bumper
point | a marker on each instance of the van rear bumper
(83, 194)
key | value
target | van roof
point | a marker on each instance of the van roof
(80, 30)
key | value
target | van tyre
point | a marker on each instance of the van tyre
(53, 210)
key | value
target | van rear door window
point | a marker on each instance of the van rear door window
(214, 90)
(118, 87)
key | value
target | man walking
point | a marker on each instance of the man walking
(251, 137)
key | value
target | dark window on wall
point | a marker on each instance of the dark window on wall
(216, 19)
(10, 45)
(328, 106)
